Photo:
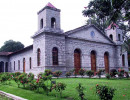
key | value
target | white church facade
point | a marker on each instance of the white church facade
(84, 47)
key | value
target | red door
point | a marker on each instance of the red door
(106, 62)
(77, 63)
(23, 64)
(93, 61)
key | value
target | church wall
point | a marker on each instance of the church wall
(39, 43)
(26, 54)
(59, 43)
(86, 47)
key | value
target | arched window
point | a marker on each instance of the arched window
(41, 23)
(38, 57)
(77, 60)
(123, 60)
(18, 64)
(106, 62)
(23, 64)
(14, 65)
(6, 67)
(30, 62)
(119, 37)
(55, 56)
(53, 22)
(1, 66)
(93, 61)
(111, 36)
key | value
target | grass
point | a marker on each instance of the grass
(122, 89)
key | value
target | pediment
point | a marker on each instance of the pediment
(89, 33)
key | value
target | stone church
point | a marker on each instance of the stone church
(84, 47)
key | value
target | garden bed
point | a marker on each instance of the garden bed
(122, 89)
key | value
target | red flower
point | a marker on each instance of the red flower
(97, 85)
(37, 80)
(21, 81)
(124, 95)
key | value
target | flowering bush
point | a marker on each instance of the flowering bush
(104, 92)
(68, 74)
(23, 79)
(57, 73)
(80, 90)
(30, 77)
(108, 76)
(82, 72)
(121, 73)
(90, 73)
(113, 72)
(59, 87)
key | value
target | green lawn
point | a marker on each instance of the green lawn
(122, 89)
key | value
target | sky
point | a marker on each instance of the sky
(19, 20)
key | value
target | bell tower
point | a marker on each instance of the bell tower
(114, 33)
(49, 19)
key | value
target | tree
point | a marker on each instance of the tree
(11, 46)
(108, 11)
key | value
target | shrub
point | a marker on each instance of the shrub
(108, 76)
(120, 73)
(48, 72)
(57, 74)
(74, 72)
(59, 87)
(104, 92)
(90, 73)
(80, 90)
(82, 72)
(5, 77)
(99, 72)
(113, 72)
(17, 73)
(126, 75)
(68, 74)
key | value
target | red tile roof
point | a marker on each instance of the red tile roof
(50, 5)
(110, 26)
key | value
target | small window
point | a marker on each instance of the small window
(30, 61)
(38, 57)
(123, 60)
(92, 34)
(55, 56)
(41, 23)
(111, 36)
(119, 37)
(53, 22)
(18, 64)
(14, 65)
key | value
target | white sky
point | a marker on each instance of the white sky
(18, 18)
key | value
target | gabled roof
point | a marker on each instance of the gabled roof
(22, 50)
(86, 27)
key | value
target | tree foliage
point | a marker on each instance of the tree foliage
(11, 46)
(104, 12)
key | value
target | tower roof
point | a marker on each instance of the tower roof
(50, 5)
(112, 25)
